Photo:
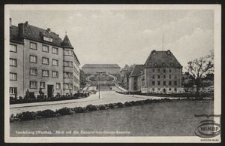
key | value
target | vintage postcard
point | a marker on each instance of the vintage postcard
(113, 73)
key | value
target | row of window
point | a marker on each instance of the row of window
(45, 73)
(164, 76)
(163, 64)
(45, 48)
(45, 60)
(33, 59)
(68, 75)
(175, 89)
(68, 63)
(34, 85)
(164, 83)
(164, 70)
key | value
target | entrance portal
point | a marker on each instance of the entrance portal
(50, 90)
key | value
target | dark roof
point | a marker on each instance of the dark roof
(14, 33)
(27, 31)
(101, 65)
(162, 59)
(66, 43)
(137, 70)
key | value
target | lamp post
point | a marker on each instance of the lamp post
(99, 73)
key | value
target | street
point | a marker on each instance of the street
(106, 97)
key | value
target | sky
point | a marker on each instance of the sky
(127, 36)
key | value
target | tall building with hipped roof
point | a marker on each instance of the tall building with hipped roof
(161, 73)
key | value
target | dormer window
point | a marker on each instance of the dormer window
(155, 64)
(48, 39)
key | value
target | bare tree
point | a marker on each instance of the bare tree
(198, 68)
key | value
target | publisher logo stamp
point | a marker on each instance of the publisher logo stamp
(207, 128)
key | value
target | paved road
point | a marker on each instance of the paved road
(105, 98)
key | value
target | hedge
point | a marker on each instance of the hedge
(24, 116)
(45, 99)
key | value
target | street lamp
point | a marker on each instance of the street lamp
(99, 73)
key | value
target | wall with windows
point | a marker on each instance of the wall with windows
(68, 71)
(16, 69)
(163, 80)
(76, 75)
(43, 66)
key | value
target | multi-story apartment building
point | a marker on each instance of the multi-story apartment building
(161, 73)
(41, 61)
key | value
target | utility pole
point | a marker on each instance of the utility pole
(162, 41)
(99, 73)
(99, 85)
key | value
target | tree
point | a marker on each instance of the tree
(200, 67)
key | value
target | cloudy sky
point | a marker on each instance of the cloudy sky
(127, 36)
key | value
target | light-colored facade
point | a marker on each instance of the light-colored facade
(161, 73)
(43, 62)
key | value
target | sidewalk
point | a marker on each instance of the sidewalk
(106, 97)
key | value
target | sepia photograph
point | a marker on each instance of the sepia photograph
(113, 73)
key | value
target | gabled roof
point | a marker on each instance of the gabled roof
(137, 70)
(162, 59)
(101, 65)
(66, 43)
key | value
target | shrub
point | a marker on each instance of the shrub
(25, 116)
(140, 102)
(147, 101)
(46, 113)
(119, 105)
(79, 110)
(134, 102)
(65, 111)
(91, 108)
(102, 107)
(127, 104)
(111, 106)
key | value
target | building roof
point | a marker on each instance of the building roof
(66, 43)
(137, 70)
(101, 65)
(14, 33)
(162, 59)
(27, 31)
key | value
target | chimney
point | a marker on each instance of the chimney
(10, 22)
(21, 30)
(26, 23)
(48, 29)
